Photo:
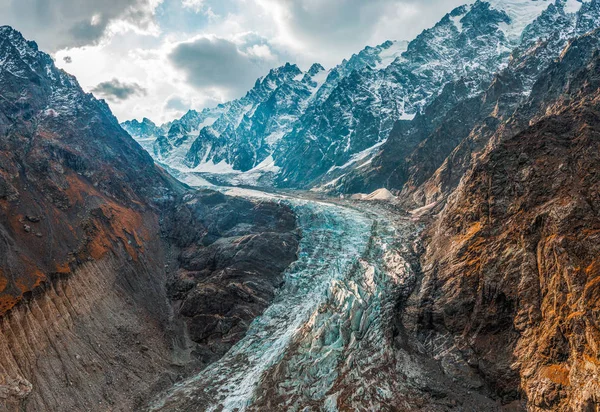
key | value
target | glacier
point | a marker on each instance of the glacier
(329, 318)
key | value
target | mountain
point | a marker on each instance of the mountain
(359, 114)
(510, 281)
(341, 120)
(105, 258)
(236, 135)
(426, 158)
(241, 136)
(468, 280)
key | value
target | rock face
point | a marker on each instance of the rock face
(105, 258)
(510, 275)
(230, 255)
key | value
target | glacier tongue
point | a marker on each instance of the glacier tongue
(330, 314)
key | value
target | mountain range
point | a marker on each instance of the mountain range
(342, 119)
(100, 247)
(469, 278)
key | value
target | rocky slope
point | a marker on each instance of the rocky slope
(510, 276)
(105, 258)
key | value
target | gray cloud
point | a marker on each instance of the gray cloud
(116, 90)
(56, 24)
(214, 62)
(68, 59)
(177, 103)
(341, 27)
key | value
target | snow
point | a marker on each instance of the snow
(210, 167)
(274, 137)
(390, 54)
(267, 165)
(456, 20)
(209, 121)
(245, 110)
(320, 77)
(194, 180)
(521, 13)
(573, 6)
(407, 116)
(357, 157)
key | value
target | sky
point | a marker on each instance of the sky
(159, 58)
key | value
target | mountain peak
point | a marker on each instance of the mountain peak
(16, 38)
(315, 68)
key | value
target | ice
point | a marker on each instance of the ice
(521, 13)
(333, 240)
(327, 322)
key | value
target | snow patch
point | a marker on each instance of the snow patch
(194, 180)
(357, 157)
(521, 12)
(210, 167)
(573, 6)
(274, 137)
(457, 22)
(389, 55)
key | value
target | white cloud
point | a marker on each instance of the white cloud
(195, 5)
(261, 51)
(197, 53)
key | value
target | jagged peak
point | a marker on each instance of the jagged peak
(287, 68)
(315, 68)
(24, 46)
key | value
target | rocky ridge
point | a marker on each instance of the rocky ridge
(511, 259)
(105, 257)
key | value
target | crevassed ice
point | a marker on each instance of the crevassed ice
(334, 239)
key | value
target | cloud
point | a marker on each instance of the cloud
(195, 5)
(68, 59)
(211, 62)
(177, 104)
(57, 24)
(199, 59)
(116, 90)
(334, 29)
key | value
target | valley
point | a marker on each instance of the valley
(416, 228)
